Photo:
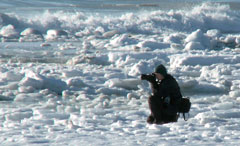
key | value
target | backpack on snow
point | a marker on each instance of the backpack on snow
(184, 107)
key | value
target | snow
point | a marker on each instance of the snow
(8, 31)
(30, 31)
(80, 83)
(54, 34)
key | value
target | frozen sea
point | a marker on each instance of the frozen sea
(70, 71)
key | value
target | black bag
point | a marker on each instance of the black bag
(184, 106)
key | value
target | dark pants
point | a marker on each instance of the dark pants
(161, 112)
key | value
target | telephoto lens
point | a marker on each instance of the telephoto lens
(148, 77)
(143, 77)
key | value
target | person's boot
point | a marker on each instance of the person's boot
(172, 118)
(150, 119)
(176, 118)
(158, 121)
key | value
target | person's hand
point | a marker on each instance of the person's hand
(166, 102)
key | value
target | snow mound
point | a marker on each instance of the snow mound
(130, 84)
(205, 60)
(19, 115)
(38, 81)
(28, 97)
(8, 31)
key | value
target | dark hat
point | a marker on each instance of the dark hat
(161, 69)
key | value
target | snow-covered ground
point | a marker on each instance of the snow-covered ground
(75, 80)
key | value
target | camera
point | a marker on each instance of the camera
(148, 77)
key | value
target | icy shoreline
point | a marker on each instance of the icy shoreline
(103, 100)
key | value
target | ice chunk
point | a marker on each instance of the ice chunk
(99, 60)
(194, 46)
(72, 73)
(224, 105)
(11, 76)
(46, 114)
(207, 117)
(53, 34)
(229, 39)
(130, 84)
(45, 45)
(228, 113)
(76, 82)
(141, 67)
(71, 125)
(56, 33)
(174, 38)
(209, 88)
(110, 33)
(186, 84)
(38, 81)
(67, 46)
(238, 40)
(199, 38)
(31, 31)
(8, 31)
(87, 45)
(35, 83)
(19, 115)
(235, 93)
(153, 45)
(24, 89)
(28, 97)
(157, 130)
(214, 33)
(111, 91)
(205, 60)
(122, 40)
(112, 57)
(53, 84)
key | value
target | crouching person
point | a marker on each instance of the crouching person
(165, 98)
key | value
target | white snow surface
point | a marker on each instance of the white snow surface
(82, 86)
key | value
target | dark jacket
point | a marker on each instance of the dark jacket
(168, 87)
